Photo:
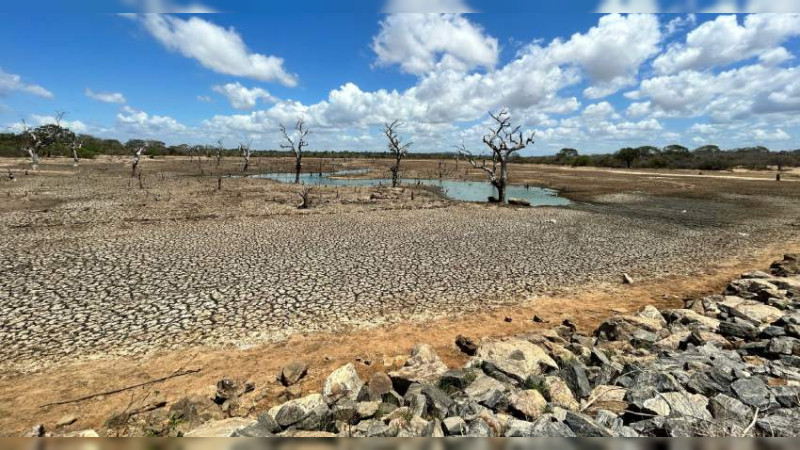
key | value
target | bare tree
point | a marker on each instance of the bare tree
(246, 152)
(296, 145)
(138, 147)
(219, 151)
(305, 196)
(75, 144)
(503, 140)
(398, 148)
(32, 143)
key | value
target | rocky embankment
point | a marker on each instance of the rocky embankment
(726, 365)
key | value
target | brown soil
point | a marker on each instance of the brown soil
(175, 192)
(370, 350)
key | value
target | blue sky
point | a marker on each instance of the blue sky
(591, 81)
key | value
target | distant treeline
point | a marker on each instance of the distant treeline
(708, 157)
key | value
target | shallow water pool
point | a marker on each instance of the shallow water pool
(468, 191)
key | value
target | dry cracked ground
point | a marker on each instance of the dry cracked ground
(93, 263)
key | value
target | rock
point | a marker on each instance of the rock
(230, 390)
(527, 404)
(790, 265)
(81, 434)
(466, 345)
(584, 426)
(688, 405)
(557, 392)
(434, 429)
(424, 366)
(454, 426)
(625, 328)
(479, 428)
(66, 421)
(486, 390)
(379, 385)
(753, 311)
(608, 397)
(220, 428)
(781, 423)
(573, 372)
(702, 383)
(519, 202)
(787, 396)
(343, 382)
(303, 413)
(650, 312)
(728, 409)
(689, 317)
(455, 380)
(293, 372)
(751, 391)
(519, 428)
(265, 426)
(784, 346)
(437, 401)
(35, 431)
(739, 329)
(366, 410)
(549, 426)
(626, 279)
(516, 358)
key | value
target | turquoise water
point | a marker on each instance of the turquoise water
(468, 191)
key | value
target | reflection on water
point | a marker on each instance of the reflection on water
(469, 191)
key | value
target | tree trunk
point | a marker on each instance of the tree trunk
(74, 157)
(34, 159)
(395, 175)
(297, 168)
(502, 182)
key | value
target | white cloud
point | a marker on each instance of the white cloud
(106, 97)
(205, 99)
(610, 53)
(10, 82)
(219, 49)
(138, 122)
(420, 43)
(241, 97)
(724, 41)
(730, 95)
(773, 135)
(74, 125)
(427, 6)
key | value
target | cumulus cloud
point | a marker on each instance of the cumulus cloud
(629, 6)
(138, 122)
(242, 97)
(611, 52)
(724, 41)
(75, 125)
(420, 43)
(10, 82)
(106, 97)
(214, 47)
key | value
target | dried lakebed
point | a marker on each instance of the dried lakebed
(131, 289)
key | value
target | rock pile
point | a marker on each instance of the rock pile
(724, 365)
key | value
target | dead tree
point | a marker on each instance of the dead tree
(76, 143)
(305, 196)
(503, 140)
(296, 145)
(138, 148)
(246, 152)
(32, 143)
(219, 151)
(398, 148)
